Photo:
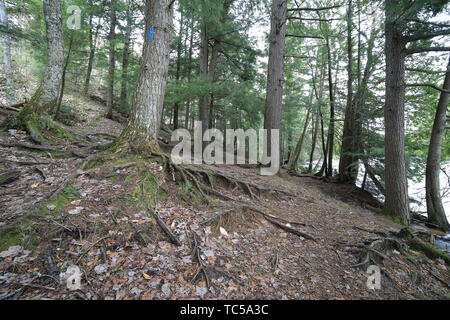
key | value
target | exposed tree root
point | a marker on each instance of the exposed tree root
(197, 255)
(373, 252)
(269, 218)
(9, 177)
(166, 230)
(42, 148)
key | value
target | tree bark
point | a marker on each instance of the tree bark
(126, 60)
(63, 82)
(92, 47)
(331, 124)
(274, 92)
(396, 203)
(204, 60)
(347, 165)
(46, 97)
(176, 106)
(112, 60)
(6, 41)
(294, 159)
(189, 73)
(141, 133)
(435, 209)
(313, 142)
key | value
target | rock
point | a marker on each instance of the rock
(75, 211)
(102, 268)
(201, 291)
(166, 290)
(11, 252)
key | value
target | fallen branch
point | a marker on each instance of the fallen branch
(40, 148)
(9, 177)
(166, 229)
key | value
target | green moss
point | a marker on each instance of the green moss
(26, 232)
(392, 216)
(146, 190)
(429, 250)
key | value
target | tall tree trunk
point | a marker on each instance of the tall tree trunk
(396, 203)
(294, 159)
(274, 92)
(141, 133)
(63, 82)
(46, 97)
(6, 44)
(112, 60)
(176, 106)
(435, 209)
(331, 124)
(313, 142)
(125, 60)
(189, 73)
(204, 60)
(92, 46)
(347, 172)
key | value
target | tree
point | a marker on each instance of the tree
(347, 172)
(141, 132)
(6, 44)
(435, 209)
(93, 35)
(126, 57)
(274, 91)
(396, 203)
(112, 59)
(47, 95)
(397, 36)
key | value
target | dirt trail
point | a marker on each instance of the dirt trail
(99, 224)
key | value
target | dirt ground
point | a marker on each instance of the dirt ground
(99, 224)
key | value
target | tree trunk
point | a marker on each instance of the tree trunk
(347, 165)
(204, 59)
(331, 125)
(63, 82)
(435, 209)
(46, 97)
(7, 68)
(274, 92)
(125, 60)
(396, 203)
(176, 106)
(293, 161)
(189, 73)
(112, 60)
(92, 45)
(313, 142)
(141, 133)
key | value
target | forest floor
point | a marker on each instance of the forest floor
(57, 215)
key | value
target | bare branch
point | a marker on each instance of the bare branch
(315, 9)
(427, 36)
(303, 36)
(314, 19)
(427, 85)
(426, 49)
(427, 71)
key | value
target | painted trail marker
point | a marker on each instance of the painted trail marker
(150, 33)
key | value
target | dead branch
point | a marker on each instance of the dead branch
(166, 229)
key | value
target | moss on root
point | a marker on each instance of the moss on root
(426, 248)
(26, 232)
(36, 125)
